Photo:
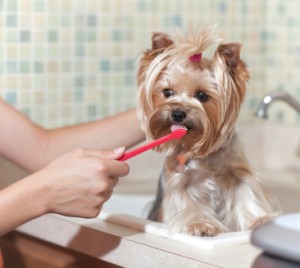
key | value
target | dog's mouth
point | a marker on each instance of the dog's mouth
(175, 126)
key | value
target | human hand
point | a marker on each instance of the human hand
(79, 182)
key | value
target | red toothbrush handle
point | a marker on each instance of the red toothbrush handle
(144, 148)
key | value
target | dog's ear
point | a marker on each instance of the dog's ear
(161, 41)
(231, 71)
(231, 54)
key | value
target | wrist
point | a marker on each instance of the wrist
(37, 195)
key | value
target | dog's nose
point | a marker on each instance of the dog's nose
(178, 116)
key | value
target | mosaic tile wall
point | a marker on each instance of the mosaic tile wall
(69, 61)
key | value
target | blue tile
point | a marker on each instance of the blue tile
(52, 36)
(79, 51)
(79, 82)
(92, 20)
(92, 110)
(79, 36)
(104, 65)
(129, 80)
(11, 97)
(129, 64)
(117, 35)
(78, 94)
(141, 5)
(177, 21)
(11, 67)
(223, 7)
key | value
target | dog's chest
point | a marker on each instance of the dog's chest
(195, 179)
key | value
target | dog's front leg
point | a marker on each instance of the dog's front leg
(183, 213)
(251, 205)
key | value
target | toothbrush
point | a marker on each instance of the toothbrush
(177, 133)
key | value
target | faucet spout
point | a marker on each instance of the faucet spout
(262, 110)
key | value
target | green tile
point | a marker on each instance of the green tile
(39, 5)
(79, 36)
(39, 81)
(92, 20)
(25, 36)
(11, 5)
(79, 66)
(105, 80)
(25, 67)
(79, 51)
(39, 51)
(66, 66)
(92, 110)
(91, 36)
(53, 51)
(117, 35)
(78, 95)
(52, 81)
(11, 20)
(79, 81)
(65, 20)
(38, 67)
(52, 36)
(11, 36)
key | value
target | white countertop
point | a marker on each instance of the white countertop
(129, 247)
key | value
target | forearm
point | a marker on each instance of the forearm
(112, 132)
(20, 202)
(32, 146)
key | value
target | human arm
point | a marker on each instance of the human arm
(32, 146)
(75, 184)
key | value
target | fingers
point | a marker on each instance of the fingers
(108, 163)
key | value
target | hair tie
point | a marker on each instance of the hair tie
(195, 58)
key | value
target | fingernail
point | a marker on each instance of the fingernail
(119, 150)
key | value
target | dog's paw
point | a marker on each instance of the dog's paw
(259, 221)
(202, 229)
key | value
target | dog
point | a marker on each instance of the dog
(207, 185)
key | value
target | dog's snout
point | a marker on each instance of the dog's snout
(178, 116)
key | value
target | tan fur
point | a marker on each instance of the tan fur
(216, 191)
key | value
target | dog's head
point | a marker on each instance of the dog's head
(178, 86)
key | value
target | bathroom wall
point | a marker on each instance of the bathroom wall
(69, 61)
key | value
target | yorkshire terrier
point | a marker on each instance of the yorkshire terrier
(207, 185)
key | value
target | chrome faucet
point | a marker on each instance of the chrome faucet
(276, 96)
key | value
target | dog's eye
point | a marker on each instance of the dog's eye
(168, 92)
(202, 96)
